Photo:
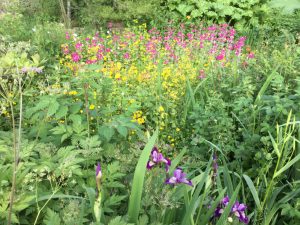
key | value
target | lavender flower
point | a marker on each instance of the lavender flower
(179, 177)
(31, 69)
(157, 158)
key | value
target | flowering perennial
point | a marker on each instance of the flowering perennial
(178, 178)
(157, 158)
(238, 210)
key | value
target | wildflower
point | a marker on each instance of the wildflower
(177, 129)
(97, 204)
(201, 74)
(238, 210)
(141, 120)
(157, 158)
(67, 36)
(250, 55)
(73, 92)
(31, 69)
(92, 106)
(179, 177)
(75, 57)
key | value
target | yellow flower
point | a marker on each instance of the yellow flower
(73, 92)
(188, 17)
(92, 107)
(177, 129)
(161, 109)
(141, 120)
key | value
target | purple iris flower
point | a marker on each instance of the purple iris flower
(157, 158)
(179, 177)
(237, 209)
(225, 201)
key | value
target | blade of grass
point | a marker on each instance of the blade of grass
(176, 161)
(227, 178)
(138, 181)
(288, 165)
(253, 191)
(265, 85)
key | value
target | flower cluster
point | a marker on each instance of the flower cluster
(178, 177)
(32, 69)
(238, 210)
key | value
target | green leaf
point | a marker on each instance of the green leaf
(138, 181)
(177, 160)
(51, 218)
(53, 107)
(288, 165)
(253, 191)
(107, 132)
(62, 112)
(122, 131)
(118, 221)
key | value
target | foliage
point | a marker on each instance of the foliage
(232, 11)
(222, 107)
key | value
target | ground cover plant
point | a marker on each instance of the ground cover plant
(189, 122)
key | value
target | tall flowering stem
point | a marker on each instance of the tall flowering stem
(97, 205)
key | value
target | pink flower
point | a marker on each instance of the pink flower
(75, 57)
(67, 36)
(78, 45)
(251, 55)
(126, 55)
(201, 74)
(220, 57)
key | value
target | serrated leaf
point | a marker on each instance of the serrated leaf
(107, 132)
(51, 218)
(53, 107)
(62, 112)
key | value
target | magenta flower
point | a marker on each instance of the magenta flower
(158, 158)
(75, 57)
(220, 56)
(126, 55)
(178, 178)
(250, 55)
(78, 45)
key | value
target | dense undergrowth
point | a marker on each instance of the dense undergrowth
(186, 123)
